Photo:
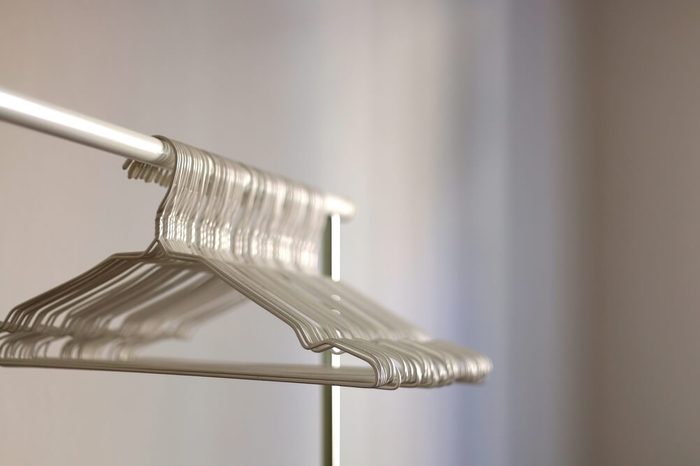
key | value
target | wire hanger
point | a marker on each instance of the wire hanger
(226, 232)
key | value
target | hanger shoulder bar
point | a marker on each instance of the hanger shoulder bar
(51, 119)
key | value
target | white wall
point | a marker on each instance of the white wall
(436, 118)
(548, 213)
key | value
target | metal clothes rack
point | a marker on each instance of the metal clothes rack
(50, 119)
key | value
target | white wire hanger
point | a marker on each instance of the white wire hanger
(227, 232)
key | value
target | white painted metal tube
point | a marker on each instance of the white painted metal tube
(57, 121)
(50, 119)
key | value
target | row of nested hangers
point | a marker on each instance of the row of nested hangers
(225, 232)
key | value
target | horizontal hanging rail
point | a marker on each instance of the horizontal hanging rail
(51, 119)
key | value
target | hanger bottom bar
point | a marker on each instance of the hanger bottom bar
(360, 377)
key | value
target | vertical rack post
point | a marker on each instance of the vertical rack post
(331, 394)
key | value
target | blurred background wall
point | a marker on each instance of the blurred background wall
(645, 105)
(524, 178)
